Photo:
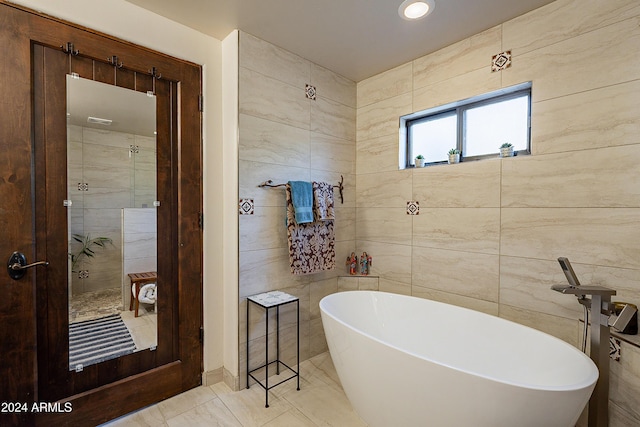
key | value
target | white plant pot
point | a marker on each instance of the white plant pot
(506, 152)
(454, 158)
(419, 163)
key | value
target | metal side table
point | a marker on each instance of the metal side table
(269, 300)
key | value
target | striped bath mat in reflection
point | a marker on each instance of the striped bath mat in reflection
(97, 340)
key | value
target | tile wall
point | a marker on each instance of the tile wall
(285, 134)
(488, 233)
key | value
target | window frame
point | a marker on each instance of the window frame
(458, 109)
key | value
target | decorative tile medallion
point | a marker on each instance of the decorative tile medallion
(134, 149)
(245, 207)
(83, 274)
(614, 348)
(310, 91)
(501, 61)
(83, 186)
(413, 208)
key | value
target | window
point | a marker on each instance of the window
(477, 127)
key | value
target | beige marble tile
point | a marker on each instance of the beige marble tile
(458, 88)
(384, 189)
(579, 64)
(314, 401)
(385, 85)
(383, 117)
(585, 235)
(273, 142)
(253, 173)
(271, 99)
(150, 416)
(329, 117)
(463, 229)
(319, 290)
(347, 283)
(108, 176)
(272, 61)
(385, 225)
(605, 177)
(454, 299)
(594, 119)
(106, 138)
(378, 154)
(101, 197)
(460, 58)
(560, 327)
(331, 153)
(472, 184)
(368, 283)
(526, 284)
(266, 270)
(317, 340)
(291, 418)
(624, 384)
(345, 224)
(265, 229)
(619, 417)
(249, 406)
(186, 401)
(213, 412)
(560, 20)
(385, 285)
(472, 275)
(333, 86)
(390, 261)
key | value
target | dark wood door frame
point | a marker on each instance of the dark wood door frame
(31, 311)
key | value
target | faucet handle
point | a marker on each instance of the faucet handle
(620, 322)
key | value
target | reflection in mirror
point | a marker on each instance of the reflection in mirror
(111, 192)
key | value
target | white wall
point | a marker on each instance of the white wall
(132, 23)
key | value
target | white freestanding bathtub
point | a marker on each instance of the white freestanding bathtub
(406, 361)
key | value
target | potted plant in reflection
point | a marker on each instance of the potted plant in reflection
(454, 156)
(506, 150)
(88, 248)
(419, 161)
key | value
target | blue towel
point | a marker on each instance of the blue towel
(302, 199)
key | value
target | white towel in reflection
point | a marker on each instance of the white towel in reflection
(147, 294)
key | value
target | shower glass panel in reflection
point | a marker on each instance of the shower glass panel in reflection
(111, 192)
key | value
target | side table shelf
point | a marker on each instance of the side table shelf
(269, 300)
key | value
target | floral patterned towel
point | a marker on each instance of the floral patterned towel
(323, 201)
(311, 245)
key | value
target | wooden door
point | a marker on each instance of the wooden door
(37, 386)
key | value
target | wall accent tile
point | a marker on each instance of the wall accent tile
(310, 91)
(246, 207)
(413, 207)
(501, 61)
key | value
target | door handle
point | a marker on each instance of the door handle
(17, 265)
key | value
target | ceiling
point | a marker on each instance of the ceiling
(354, 38)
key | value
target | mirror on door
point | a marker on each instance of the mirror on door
(112, 232)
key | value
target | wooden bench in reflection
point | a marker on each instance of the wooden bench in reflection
(138, 280)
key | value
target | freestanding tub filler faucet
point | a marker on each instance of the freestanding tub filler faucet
(602, 317)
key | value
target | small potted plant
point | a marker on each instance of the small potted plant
(454, 156)
(506, 150)
(419, 161)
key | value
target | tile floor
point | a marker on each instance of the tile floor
(320, 402)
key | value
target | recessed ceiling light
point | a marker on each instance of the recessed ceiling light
(415, 9)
